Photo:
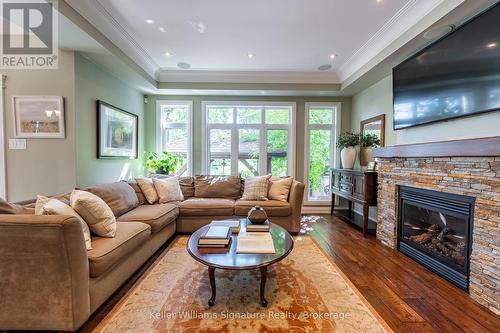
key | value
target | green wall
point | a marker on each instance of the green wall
(150, 121)
(93, 83)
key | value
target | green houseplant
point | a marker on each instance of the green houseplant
(346, 142)
(165, 163)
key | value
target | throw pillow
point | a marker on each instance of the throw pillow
(168, 189)
(227, 187)
(256, 188)
(95, 212)
(11, 208)
(40, 202)
(56, 207)
(279, 188)
(148, 188)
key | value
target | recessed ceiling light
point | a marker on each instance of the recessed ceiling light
(332, 56)
(162, 29)
(437, 32)
(250, 55)
(149, 21)
(380, 1)
(324, 67)
(168, 54)
(492, 45)
(184, 65)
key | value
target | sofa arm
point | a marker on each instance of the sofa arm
(295, 199)
(44, 274)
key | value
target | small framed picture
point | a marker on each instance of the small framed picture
(116, 132)
(39, 117)
(372, 166)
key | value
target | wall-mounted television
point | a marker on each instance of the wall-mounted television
(457, 76)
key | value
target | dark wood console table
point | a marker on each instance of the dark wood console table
(357, 186)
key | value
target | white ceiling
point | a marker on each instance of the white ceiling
(284, 35)
(289, 38)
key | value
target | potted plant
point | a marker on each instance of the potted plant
(166, 163)
(368, 142)
(346, 142)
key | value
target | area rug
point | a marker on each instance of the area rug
(306, 293)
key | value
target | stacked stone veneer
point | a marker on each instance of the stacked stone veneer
(473, 176)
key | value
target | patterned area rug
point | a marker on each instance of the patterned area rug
(306, 293)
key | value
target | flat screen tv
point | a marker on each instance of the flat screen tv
(457, 76)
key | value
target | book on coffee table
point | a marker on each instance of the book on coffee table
(255, 242)
(216, 236)
(258, 226)
(233, 224)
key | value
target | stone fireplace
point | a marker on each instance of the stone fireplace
(451, 168)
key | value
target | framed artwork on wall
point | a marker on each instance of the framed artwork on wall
(40, 117)
(116, 132)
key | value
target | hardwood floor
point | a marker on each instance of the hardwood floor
(408, 296)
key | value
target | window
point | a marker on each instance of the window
(249, 138)
(174, 131)
(322, 127)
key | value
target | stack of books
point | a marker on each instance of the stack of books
(254, 227)
(234, 225)
(216, 236)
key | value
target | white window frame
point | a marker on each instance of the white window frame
(335, 128)
(188, 126)
(263, 127)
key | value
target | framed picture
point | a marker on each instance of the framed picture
(38, 117)
(116, 132)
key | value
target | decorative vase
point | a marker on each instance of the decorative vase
(366, 155)
(348, 157)
(257, 215)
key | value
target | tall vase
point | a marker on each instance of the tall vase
(348, 157)
(366, 155)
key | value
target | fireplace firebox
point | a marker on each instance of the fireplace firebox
(435, 229)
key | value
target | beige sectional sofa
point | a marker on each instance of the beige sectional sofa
(49, 281)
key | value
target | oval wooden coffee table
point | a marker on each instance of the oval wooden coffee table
(228, 258)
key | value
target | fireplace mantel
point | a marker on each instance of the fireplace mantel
(480, 147)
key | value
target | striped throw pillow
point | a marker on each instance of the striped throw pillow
(256, 188)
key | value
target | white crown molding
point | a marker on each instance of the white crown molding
(99, 16)
(408, 16)
(206, 76)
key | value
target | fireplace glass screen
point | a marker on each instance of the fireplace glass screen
(443, 234)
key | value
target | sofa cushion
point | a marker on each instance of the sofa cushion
(148, 188)
(273, 208)
(256, 188)
(168, 189)
(206, 207)
(186, 183)
(119, 196)
(140, 196)
(228, 187)
(95, 212)
(157, 216)
(108, 252)
(279, 188)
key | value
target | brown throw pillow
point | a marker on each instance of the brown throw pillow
(148, 188)
(256, 188)
(228, 187)
(138, 192)
(9, 208)
(119, 196)
(279, 188)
